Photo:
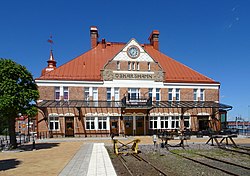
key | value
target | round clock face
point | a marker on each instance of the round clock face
(133, 52)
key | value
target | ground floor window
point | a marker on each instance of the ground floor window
(90, 123)
(175, 122)
(54, 123)
(153, 122)
(102, 123)
(164, 122)
(187, 121)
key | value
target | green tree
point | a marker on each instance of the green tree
(18, 94)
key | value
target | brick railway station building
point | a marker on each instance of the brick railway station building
(125, 88)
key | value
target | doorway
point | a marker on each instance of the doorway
(203, 123)
(69, 126)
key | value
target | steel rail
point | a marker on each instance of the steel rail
(205, 164)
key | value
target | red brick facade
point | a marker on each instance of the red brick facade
(148, 74)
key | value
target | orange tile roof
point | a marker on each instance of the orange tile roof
(176, 71)
(88, 66)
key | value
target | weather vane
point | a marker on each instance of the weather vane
(50, 41)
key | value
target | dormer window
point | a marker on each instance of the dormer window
(129, 65)
(118, 65)
(133, 64)
(149, 68)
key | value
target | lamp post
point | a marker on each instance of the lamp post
(248, 121)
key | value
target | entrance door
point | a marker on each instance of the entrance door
(139, 125)
(114, 127)
(69, 126)
(203, 123)
(128, 121)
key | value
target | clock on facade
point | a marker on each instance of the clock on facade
(133, 52)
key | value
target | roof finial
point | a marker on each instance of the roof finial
(50, 41)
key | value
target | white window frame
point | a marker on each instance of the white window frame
(149, 67)
(108, 90)
(54, 120)
(117, 93)
(138, 66)
(178, 94)
(65, 90)
(133, 65)
(158, 92)
(187, 118)
(118, 65)
(86, 93)
(202, 94)
(57, 91)
(195, 94)
(90, 123)
(153, 121)
(134, 91)
(164, 120)
(150, 92)
(170, 93)
(175, 120)
(102, 121)
(95, 95)
(129, 65)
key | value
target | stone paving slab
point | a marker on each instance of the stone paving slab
(79, 164)
(90, 160)
(100, 163)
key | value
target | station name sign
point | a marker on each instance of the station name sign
(133, 76)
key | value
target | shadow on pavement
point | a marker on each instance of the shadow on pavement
(8, 164)
(39, 146)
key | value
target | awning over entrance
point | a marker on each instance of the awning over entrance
(120, 104)
(79, 104)
(190, 104)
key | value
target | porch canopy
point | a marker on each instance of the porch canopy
(122, 104)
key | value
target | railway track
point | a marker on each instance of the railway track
(139, 158)
(214, 165)
(240, 150)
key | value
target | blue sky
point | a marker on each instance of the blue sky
(210, 36)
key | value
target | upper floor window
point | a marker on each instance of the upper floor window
(117, 96)
(118, 65)
(177, 94)
(57, 93)
(133, 65)
(129, 65)
(133, 93)
(158, 94)
(149, 67)
(95, 96)
(138, 66)
(65, 93)
(108, 94)
(195, 94)
(170, 94)
(202, 95)
(86, 93)
(150, 92)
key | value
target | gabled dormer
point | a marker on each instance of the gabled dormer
(132, 63)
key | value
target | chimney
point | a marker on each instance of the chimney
(103, 43)
(94, 36)
(154, 39)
